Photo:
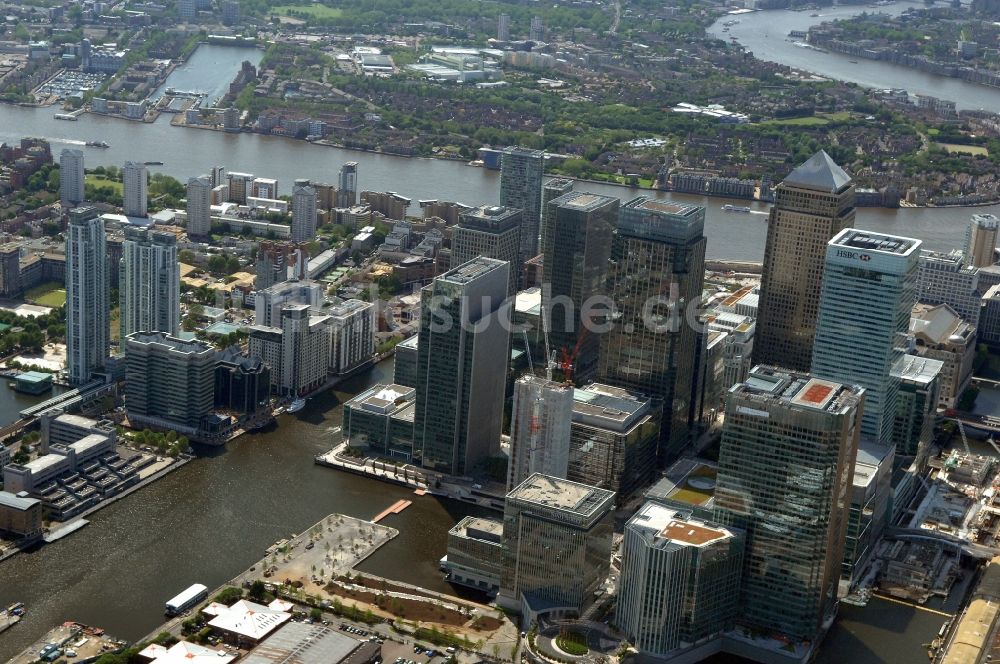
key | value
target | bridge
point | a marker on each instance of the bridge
(923, 535)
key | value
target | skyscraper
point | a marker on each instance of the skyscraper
(199, 207)
(303, 212)
(950, 279)
(521, 172)
(658, 256)
(490, 231)
(134, 189)
(71, 174)
(149, 282)
(785, 470)
(981, 240)
(87, 295)
(679, 577)
(814, 203)
(553, 188)
(503, 28)
(576, 266)
(537, 32)
(462, 366)
(869, 289)
(347, 185)
(539, 429)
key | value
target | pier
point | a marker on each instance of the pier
(395, 508)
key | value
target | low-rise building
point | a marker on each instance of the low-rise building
(475, 553)
(940, 334)
(20, 515)
(245, 623)
(381, 420)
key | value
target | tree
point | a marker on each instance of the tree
(257, 590)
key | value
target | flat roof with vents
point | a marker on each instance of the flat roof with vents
(669, 524)
(876, 242)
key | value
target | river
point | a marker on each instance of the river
(213, 518)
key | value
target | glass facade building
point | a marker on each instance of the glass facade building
(521, 172)
(656, 273)
(869, 289)
(492, 231)
(785, 474)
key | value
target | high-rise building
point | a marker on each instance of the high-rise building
(199, 207)
(303, 212)
(553, 188)
(10, 270)
(347, 185)
(679, 577)
(869, 510)
(169, 382)
(613, 439)
(503, 28)
(240, 187)
(916, 405)
(134, 189)
(656, 274)
(785, 470)
(539, 429)
(352, 335)
(537, 32)
(462, 366)
(71, 175)
(186, 9)
(949, 279)
(490, 231)
(981, 240)
(277, 262)
(869, 289)
(521, 172)
(812, 204)
(557, 541)
(242, 383)
(581, 227)
(149, 282)
(269, 301)
(230, 12)
(297, 350)
(87, 295)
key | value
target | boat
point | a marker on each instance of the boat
(154, 163)
(66, 116)
(853, 62)
(16, 609)
(296, 406)
(97, 144)
(735, 208)
(814, 15)
(185, 600)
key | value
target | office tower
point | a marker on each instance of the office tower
(303, 212)
(186, 9)
(277, 262)
(169, 382)
(869, 509)
(785, 468)
(537, 32)
(10, 270)
(230, 12)
(87, 295)
(71, 174)
(242, 383)
(149, 281)
(475, 553)
(981, 240)
(557, 537)
(297, 349)
(869, 289)
(269, 301)
(352, 335)
(812, 204)
(581, 228)
(539, 429)
(949, 279)
(380, 420)
(655, 276)
(347, 185)
(462, 366)
(503, 28)
(404, 363)
(491, 231)
(199, 207)
(679, 575)
(613, 439)
(134, 189)
(521, 172)
(916, 405)
(552, 189)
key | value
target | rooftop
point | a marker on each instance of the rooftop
(606, 406)
(474, 527)
(798, 389)
(819, 172)
(938, 324)
(16, 501)
(184, 652)
(560, 494)
(472, 270)
(171, 343)
(870, 241)
(302, 643)
(689, 483)
(672, 525)
(383, 398)
(918, 369)
(249, 619)
(578, 200)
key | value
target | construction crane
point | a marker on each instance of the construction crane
(965, 440)
(527, 350)
(550, 358)
(569, 359)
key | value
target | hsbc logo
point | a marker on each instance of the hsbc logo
(854, 255)
(865, 257)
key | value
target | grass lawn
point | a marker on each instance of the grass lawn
(315, 11)
(572, 643)
(955, 148)
(101, 181)
(811, 121)
(51, 294)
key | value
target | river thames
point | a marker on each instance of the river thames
(214, 517)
